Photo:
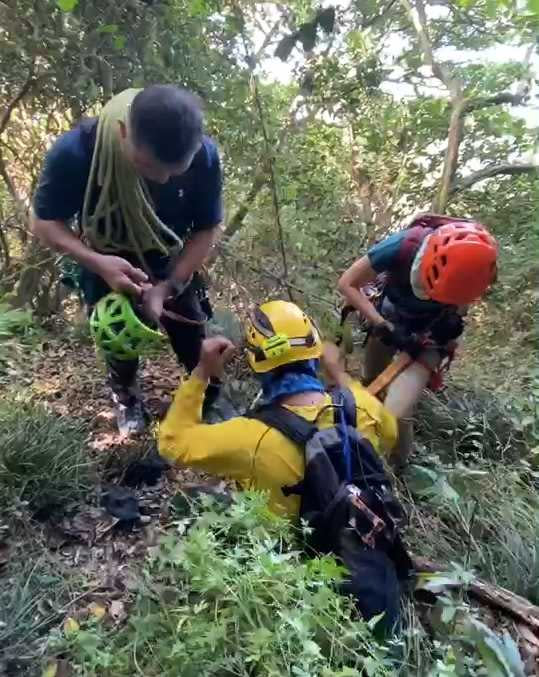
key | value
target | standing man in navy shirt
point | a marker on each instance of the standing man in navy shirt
(145, 185)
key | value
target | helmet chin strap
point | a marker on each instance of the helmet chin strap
(415, 277)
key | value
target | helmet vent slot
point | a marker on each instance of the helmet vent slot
(116, 327)
(263, 321)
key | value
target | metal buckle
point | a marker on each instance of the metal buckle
(378, 524)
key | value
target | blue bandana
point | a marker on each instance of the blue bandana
(299, 377)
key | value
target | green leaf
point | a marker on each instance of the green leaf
(442, 580)
(312, 648)
(533, 6)
(420, 479)
(445, 490)
(67, 5)
(448, 614)
(512, 655)
(491, 8)
(437, 582)
(109, 28)
(500, 657)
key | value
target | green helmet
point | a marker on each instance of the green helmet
(118, 331)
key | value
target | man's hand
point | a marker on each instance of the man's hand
(120, 275)
(214, 355)
(153, 300)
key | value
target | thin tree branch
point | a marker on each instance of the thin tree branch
(261, 178)
(368, 23)
(493, 100)
(490, 172)
(269, 153)
(267, 40)
(454, 85)
(13, 103)
(493, 595)
(418, 18)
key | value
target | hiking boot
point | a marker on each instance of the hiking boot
(131, 417)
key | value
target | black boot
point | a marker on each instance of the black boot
(131, 417)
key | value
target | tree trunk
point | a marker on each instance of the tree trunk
(4, 246)
(37, 263)
(493, 595)
(236, 222)
(454, 139)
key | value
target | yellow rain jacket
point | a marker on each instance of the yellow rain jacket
(256, 456)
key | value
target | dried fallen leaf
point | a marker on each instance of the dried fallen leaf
(97, 610)
(71, 626)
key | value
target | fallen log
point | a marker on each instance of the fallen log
(495, 596)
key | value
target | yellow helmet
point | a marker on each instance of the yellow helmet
(279, 333)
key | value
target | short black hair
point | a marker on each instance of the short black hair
(168, 120)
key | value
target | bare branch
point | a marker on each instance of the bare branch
(493, 595)
(12, 104)
(493, 100)
(371, 21)
(489, 172)
(267, 40)
(418, 18)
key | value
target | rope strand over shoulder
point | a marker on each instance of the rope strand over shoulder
(124, 217)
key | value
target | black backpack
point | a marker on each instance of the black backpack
(348, 503)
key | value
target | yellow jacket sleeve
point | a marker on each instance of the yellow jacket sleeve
(221, 448)
(374, 421)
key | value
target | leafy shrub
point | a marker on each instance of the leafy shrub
(485, 518)
(43, 457)
(233, 597)
(13, 320)
(465, 425)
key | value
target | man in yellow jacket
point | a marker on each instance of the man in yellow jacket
(283, 349)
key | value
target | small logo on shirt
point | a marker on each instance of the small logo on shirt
(180, 192)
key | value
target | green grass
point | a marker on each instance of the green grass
(469, 425)
(472, 493)
(33, 598)
(44, 460)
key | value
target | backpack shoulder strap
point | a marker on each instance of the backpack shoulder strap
(291, 425)
(410, 244)
(343, 397)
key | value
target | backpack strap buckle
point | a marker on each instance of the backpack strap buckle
(378, 526)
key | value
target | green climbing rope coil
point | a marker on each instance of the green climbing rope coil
(124, 219)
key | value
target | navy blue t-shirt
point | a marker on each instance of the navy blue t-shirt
(190, 202)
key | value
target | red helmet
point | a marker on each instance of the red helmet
(459, 263)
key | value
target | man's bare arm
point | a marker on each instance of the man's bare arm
(195, 252)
